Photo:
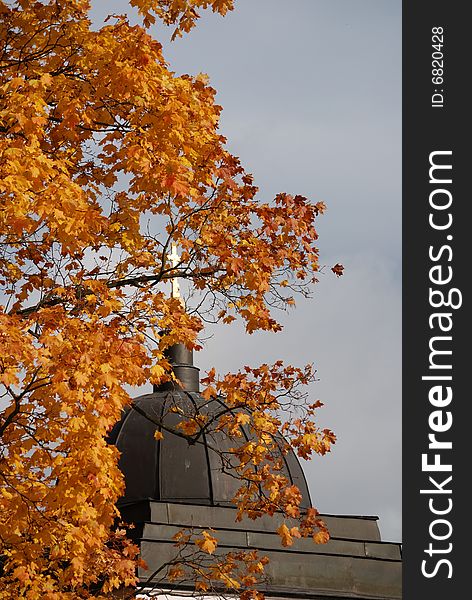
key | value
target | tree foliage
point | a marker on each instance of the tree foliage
(107, 158)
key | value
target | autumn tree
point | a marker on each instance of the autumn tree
(108, 160)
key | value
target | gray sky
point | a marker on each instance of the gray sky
(311, 91)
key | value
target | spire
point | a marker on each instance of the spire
(175, 261)
(180, 357)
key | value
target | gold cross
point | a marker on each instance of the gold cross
(175, 260)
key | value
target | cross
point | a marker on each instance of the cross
(175, 260)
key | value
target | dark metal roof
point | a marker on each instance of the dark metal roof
(170, 469)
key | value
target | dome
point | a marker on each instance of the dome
(171, 470)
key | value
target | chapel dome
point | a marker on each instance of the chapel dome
(171, 470)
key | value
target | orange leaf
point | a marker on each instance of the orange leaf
(285, 534)
(208, 543)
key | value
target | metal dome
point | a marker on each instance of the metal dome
(171, 470)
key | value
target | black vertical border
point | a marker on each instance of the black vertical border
(427, 129)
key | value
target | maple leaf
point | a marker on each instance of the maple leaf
(157, 372)
(337, 269)
(207, 542)
(175, 572)
(285, 534)
(321, 537)
(189, 427)
(201, 586)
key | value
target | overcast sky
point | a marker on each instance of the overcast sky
(311, 91)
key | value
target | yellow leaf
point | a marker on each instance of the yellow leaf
(207, 543)
(321, 537)
(285, 534)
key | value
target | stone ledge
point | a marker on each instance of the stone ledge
(363, 528)
(307, 574)
(271, 541)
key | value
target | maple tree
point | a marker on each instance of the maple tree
(107, 159)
